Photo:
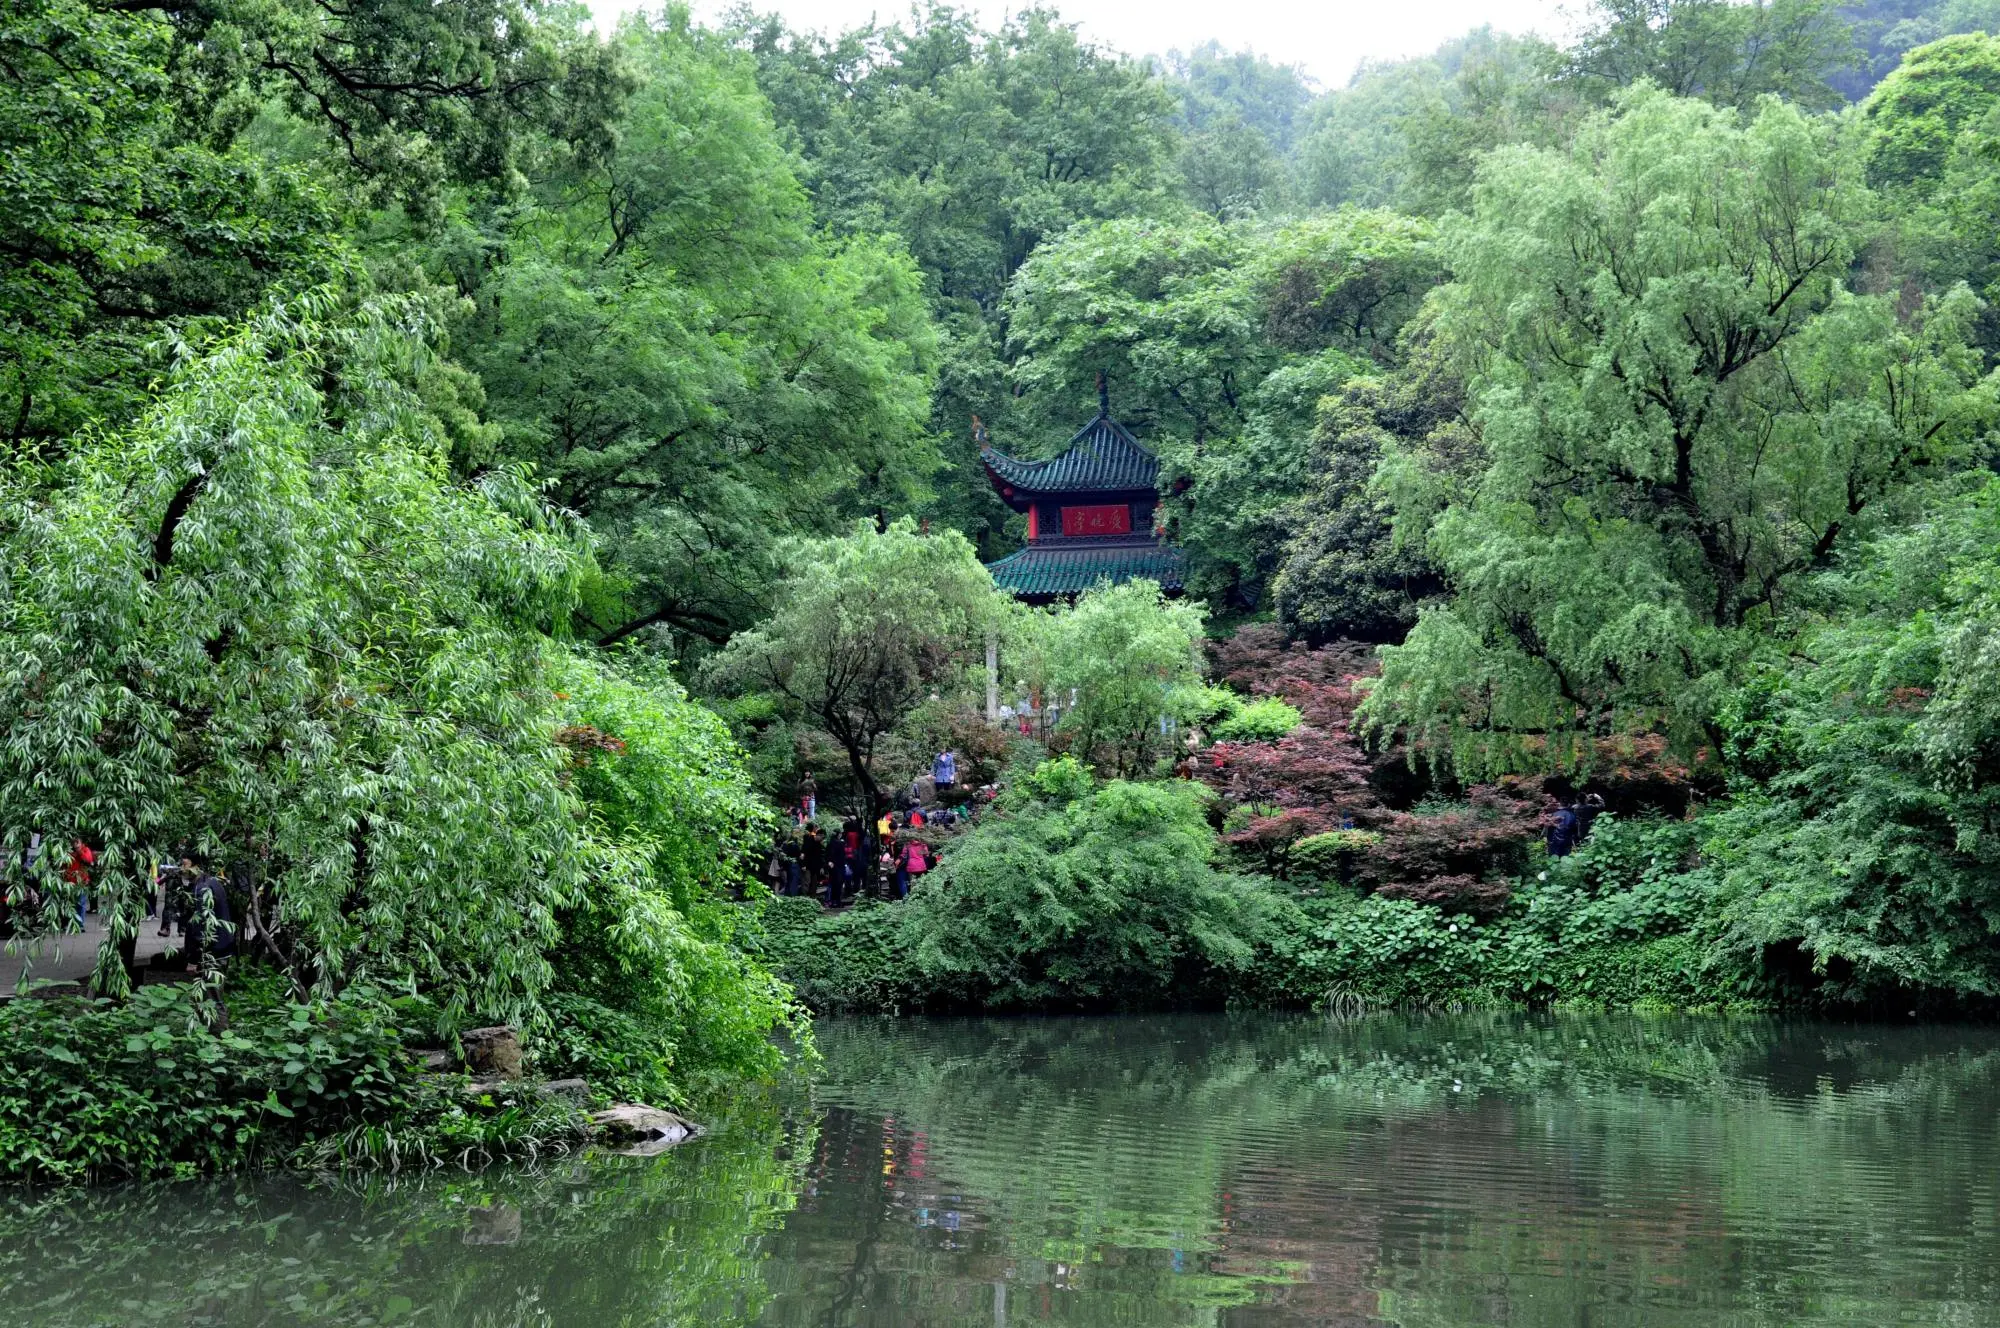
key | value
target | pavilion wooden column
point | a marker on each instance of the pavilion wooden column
(992, 675)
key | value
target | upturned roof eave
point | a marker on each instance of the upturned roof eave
(1025, 478)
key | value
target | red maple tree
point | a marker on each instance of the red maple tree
(1429, 839)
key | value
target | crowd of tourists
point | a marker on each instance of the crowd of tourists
(882, 856)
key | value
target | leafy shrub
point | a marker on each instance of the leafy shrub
(652, 996)
(1620, 922)
(620, 1055)
(1125, 653)
(143, 1088)
(101, 1089)
(1029, 919)
(1860, 851)
(1329, 855)
(856, 961)
(1069, 894)
(1075, 894)
(1265, 719)
(1198, 703)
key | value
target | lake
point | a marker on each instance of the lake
(1221, 1170)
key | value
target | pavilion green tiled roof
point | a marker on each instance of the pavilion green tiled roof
(1102, 458)
(1042, 569)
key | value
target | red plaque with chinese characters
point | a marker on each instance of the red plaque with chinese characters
(1110, 519)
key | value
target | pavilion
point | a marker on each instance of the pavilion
(1091, 514)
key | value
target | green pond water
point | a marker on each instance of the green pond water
(1152, 1171)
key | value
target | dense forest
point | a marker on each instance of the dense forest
(462, 467)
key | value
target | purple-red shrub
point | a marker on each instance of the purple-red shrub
(1449, 846)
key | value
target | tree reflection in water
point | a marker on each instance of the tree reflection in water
(1451, 1170)
(1206, 1170)
(584, 1241)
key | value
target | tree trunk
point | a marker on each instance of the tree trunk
(864, 777)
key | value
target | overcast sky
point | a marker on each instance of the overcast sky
(1327, 39)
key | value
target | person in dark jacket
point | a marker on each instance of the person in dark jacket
(813, 855)
(1564, 832)
(1586, 812)
(791, 851)
(836, 871)
(210, 928)
(177, 896)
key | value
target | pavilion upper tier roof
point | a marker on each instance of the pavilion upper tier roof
(1102, 458)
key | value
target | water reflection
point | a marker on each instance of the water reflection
(577, 1241)
(1200, 1170)
(1444, 1171)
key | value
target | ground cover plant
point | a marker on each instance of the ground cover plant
(160, 1085)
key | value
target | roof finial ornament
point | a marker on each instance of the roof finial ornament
(1103, 396)
(978, 432)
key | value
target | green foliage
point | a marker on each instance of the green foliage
(1129, 654)
(662, 333)
(290, 642)
(1328, 856)
(406, 98)
(172, 165)
(1918, 112)
(1075, 895)
(863, 627)
(1683, 413)
(1618, 924)
(1860, 832)
(1162, 308)
(1219, 85)
(102, 1089)
(856, 961)
(1345, 574)
(119, 229)
(1265, 719)
(652, 991)
(1929, 145)
(1061, 780)
(260, 623)
(620, 1055)
(1240, 117)
(1726, 53)
(1409, 134)
(1069, 894)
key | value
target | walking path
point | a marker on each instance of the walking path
(70, 958)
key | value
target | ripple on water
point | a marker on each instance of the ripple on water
(1474, 1170)
(1212, 1170)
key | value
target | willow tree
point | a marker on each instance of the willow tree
(263, 626)
(258, 626)
(1684, 412)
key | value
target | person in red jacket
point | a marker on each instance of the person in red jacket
(77, 873)
(912, 863)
